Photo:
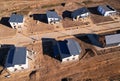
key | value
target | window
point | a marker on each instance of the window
(15, 69)
(15, 27)
(73, 58)
(67, 59)
(13, 23)
(20, 65)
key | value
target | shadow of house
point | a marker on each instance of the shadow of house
(47, 45)
(3, 55)
(32, 74)
(40, 17)
(94, 10)
(51, 10)
(6, 45)
(66, 79)
(91, 39)
(5, 21)
(66, 14)
(83, 38)
(118, 31)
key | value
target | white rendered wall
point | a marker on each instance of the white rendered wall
(71, 58)
(108, 13)
(84, 15)
(81, 16)
(16, 25)
(53, 19)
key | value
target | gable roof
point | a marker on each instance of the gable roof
(16, 18)
(68, 48)
(112, 39)
(3, 54)
(73, 46)
(16, 55)
(63, 49)
(79, 11)
(52, 14)
(107, 7)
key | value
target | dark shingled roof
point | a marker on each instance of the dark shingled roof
(16, 18)
(16, 56)
(52, 14)
(79, 11)
(73, 46)
(67, 48)
(112, 39)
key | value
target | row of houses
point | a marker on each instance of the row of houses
(104, 10)
(70, 50)
(16, 21)
(16, 58)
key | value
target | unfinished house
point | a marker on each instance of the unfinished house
(67, 50)
(16, 21)
(53, 17)
(106, 10)
(80, 13)
(15, 58)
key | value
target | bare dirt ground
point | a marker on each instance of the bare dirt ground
(71, 23)
(8, 32)
(103, 67)
(99, 19)
(37, 26)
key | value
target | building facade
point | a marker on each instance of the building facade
(80, 13)
(53, 17)
(16, 21)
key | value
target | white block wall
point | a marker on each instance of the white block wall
(71, 58)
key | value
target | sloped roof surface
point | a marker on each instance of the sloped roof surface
(52, 14)
(79, 11)
(16, 56)
(68, 48)
(112, 39)
(106, 7)
(73, 46)
(16, 18)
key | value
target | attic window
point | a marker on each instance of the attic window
(15, 27)
(67, 59)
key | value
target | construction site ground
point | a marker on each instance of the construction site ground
(43, 67)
